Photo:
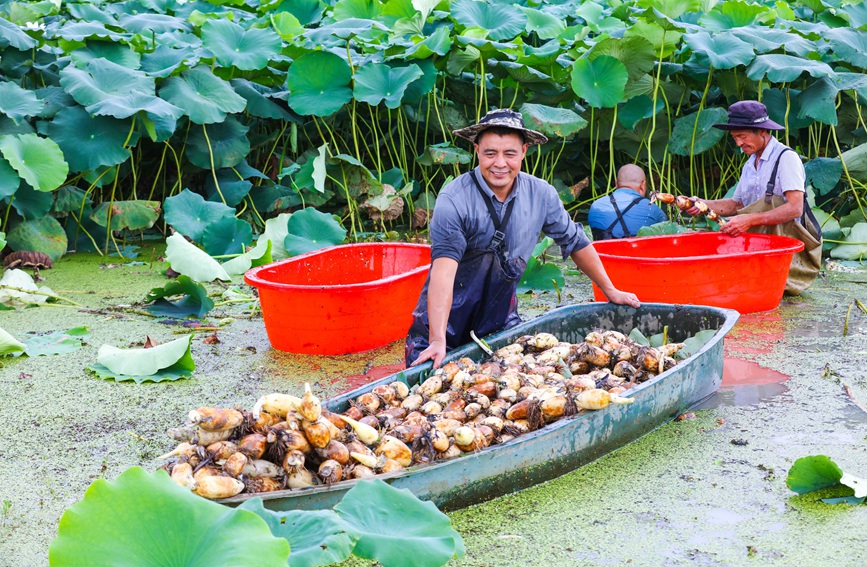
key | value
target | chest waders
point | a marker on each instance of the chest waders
(483, 296)
(608, 233)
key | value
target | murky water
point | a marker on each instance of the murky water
(746, 383)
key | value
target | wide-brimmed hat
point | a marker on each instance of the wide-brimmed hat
(749, 114)
(504, 118)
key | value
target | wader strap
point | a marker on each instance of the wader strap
(610, 230)
(499, 227)
(807, 211)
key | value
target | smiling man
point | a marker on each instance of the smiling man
(483, 230)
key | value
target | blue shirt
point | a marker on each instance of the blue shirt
(754, 180)
(461, 220)
(643, 213)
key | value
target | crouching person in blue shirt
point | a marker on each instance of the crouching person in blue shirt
(484, 228)
(621, 213)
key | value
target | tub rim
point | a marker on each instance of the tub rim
(252, 277)
(795, 247)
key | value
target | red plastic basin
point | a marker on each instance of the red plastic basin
(747, 273)
(341, 299)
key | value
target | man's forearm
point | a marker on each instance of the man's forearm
(440, 295)
(724, 207)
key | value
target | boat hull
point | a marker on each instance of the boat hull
(562, 446)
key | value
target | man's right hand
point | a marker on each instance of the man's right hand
(693, 210)
(436, 352)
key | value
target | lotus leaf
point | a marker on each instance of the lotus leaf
(361, 9)
(126, 106)
(286, 25)
(306, 11)
(377, 83)
(43, 234)
(552, 122)
(2, 240)
(31, 204)
(854, 217)
(636, 53)
(637, 108)
(227, 236)
(190, 214)
(149, 520)
(316, 537)
(276, 230)
(461, 59)
(195, 300)
(694, 344)
(118, 53)
(855, 251)
(12, 35)
(723, 50)
(56, 342)
(309, 229)
(855, 13)
(539, 276)
(259, 255)
(54, 99)
(701, 128)
(784, 109)
(23, 283)
(813, 473)
(444, 153)
(734, 14)
(186, 259)
(147, 361)
(545, 25)
(90, 13)
(233, 46)
(80, 31)
(818, 101)
(258, 103)
(232, 189)
(39, 161)
(102, 79)
(18, 103)
(786, 68)
(830, 230)
(600, 82)
(329, 34)
(225, 143)
(764, 40)
(164, 60)
(203, 96)
(662, 41)
(318, 83)
(661, 228)
(823, 173)
(500, 20)
(9, 344)
(439, 43)
(145, 23)
(133, 215)
(89, 142)
(400, 526)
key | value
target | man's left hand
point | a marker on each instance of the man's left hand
(623, 298)
(736, 225)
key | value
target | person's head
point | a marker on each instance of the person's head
(749, 125)
(501, 142)
(631, 176)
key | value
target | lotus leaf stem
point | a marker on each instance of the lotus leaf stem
(31, 292)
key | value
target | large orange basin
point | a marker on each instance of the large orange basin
(342, 299)
(747, 273)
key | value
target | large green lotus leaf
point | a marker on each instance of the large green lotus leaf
(190, 214)
(361, 9)
(8, 343)
(777, 102)
(18, 103)
(32, 204)
(39, 235)
(227, 236)
(856, 161)
(551, 121)
(226, 143)
(203, 96)
(665, 40)
(147, 361)
(286, 25)
(232, 189)
(187, 259)
(233, 46)
(53, 98)
(307, 12)
(439, 43)
(818, 101)
(80, 31)
(539, 276)
(127, 105)
(89, 13)
(309, 230)
(56, 342)
(823, 173)
(600, 82)
(764, 40)
(636, 53)
(194, 300)
(856, 13)
(813, 473)
(118, 53)
(147, 23)
(318, 83)
(89, 142)
(706, 136)
(102, 79)
(17, 287)
(169, 374)
(147, 520)
(855, 251)
(785, 68)
(12, 35)
(134, 215)
(9, 180)
(420, 87)
(724, 50)
(662, 228)
(398, 526)
(500, 20)
(330, 34)
(259, 255)
(733, 14)
(164, 60)
(444, 154)
(39, 161)
(316, 537)
(377, 83)
(546, 26)
(258, 103)
(638, 108)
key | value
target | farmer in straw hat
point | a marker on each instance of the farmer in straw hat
(483, 230)
(770, 196)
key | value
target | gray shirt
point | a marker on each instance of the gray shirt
(461, 220)
(754, 181)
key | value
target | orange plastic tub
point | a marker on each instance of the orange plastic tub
(341, 299)
(747, 273)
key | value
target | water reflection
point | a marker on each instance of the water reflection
(746, 383)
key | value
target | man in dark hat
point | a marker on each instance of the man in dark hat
(770, 196)
(483, 230)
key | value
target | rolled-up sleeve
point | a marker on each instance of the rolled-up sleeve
(447, 235)
(568, 234)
